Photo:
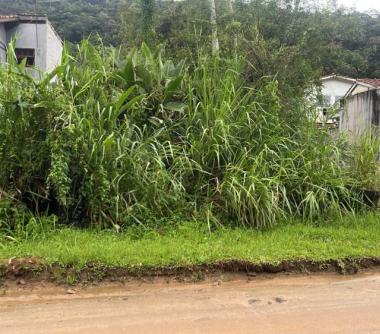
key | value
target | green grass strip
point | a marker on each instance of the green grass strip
(190, 243)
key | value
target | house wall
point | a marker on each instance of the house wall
(41, 37)
(334, 89)
(360, 89)
(3, 40)
(361, 114)
(54, 49)
(33, 36)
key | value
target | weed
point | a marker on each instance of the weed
(115, 141)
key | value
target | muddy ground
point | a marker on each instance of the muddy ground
(225, 303)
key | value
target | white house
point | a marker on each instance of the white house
(334, 90)
(36, 40)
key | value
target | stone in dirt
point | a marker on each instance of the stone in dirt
(253, 301)
(280, 300)
(71, 291)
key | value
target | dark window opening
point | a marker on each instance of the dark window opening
(27, 54)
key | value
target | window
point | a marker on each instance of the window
(28, 54)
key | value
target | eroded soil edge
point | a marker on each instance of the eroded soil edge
(34, 269)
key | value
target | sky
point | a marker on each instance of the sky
(361, 4)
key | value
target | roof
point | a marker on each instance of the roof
(372, 12)
(338, 77)
(23, 18)
(371, 82)
(28, 18)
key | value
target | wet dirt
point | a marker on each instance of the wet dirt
(318, 303)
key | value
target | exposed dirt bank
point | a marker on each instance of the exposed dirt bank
(318, 303)
(32, 269)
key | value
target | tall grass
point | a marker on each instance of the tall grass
(111, 140)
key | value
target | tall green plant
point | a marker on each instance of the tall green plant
(108, 140)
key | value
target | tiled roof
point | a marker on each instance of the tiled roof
(372, 82)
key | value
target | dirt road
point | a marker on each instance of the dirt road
(283, 304)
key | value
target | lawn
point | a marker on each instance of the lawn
(191, 243)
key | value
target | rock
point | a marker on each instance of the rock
(280, 300)
(253, 301)
(71, 291)
(21, 282)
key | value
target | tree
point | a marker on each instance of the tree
(329, 38)
(234, 25)
(231, 6)
(148, 15)
(214, 28)
(138, 22)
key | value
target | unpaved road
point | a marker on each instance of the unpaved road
(322, 303)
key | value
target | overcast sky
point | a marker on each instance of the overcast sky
(361, 4)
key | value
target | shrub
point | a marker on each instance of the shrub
(106, 140)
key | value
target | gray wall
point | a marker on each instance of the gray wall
(3, 39)
(361, 114)
(28, 37)
(41, 37)
(54, 49)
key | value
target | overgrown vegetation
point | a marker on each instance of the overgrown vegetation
(109, 139)
(173, 152)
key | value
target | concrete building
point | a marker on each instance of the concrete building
(36, 40)
(335, 90)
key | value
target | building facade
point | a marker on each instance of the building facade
(337, 106)
(361, 113)
(334, 88)
(35, 40)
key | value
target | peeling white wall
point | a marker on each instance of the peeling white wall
(31, 36)
(41, 37)
(54, 49)
(334, 89)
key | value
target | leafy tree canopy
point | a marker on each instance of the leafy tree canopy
(329, 39)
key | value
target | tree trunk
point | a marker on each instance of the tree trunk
(148, 13)
(232, 13)
(214, 28)
(231, 6)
